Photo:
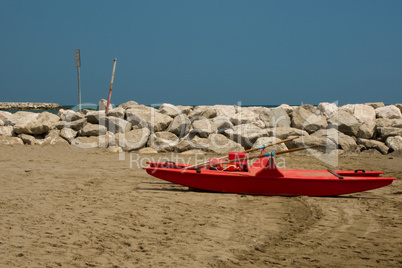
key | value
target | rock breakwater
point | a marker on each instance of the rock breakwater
(369, 128)
(30, 106)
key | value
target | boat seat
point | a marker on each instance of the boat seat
(243, 164)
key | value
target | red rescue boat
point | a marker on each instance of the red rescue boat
(264, 178)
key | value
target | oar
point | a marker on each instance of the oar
(269, 145)
(249, 158)
(249, 150)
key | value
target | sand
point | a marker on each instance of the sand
(62, 206)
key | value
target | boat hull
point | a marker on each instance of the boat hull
(292, 183)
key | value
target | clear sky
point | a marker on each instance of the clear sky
(202, 52)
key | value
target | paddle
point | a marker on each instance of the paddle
(251, 150)
(249, 158)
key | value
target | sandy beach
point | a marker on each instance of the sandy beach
(63, 206)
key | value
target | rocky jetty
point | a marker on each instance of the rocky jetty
(30, 106)
(367, 128)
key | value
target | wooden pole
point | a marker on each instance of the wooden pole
(111, 85)
(79, 88)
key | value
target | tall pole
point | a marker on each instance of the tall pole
(78, 65)
(111, 85)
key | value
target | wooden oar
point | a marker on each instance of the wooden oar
(249, 158)
(249, 150)
(269, 145)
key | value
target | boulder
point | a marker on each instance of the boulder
(286, 132)
(134, 139)
(243, 117)
(225, 110)
(19, 116)
(148, 117)
(185, 109)
(309, 107)
(364, 113)
(103, 104)
(245, 134)
(86, 142)
(31, 126)
(76, 125)
(27, 139)
(128, 105)
(163, 141)
(394, 143)
(4, 116)
(344, 142)
(1, 123)
(385, 122)
(114, 149)
(93, 130)
(374, 144)
(384, 132)
(68, 134)
(48, 119)
(308, 121)
(193, 152)
(325, 144)
(180, 125)
(6, 131)
(276, 117)
(147, 150)
(219, 144)
(108, 140)
(202, 111)
(399, 106)
(375, 105)
(117, 125)
(390, 112)
(366, 130)
(170, 110)
(117, 112)
(96, 117)
(345, 123)
(204, 127)
(53, 138)
(70, 115)
(350, 108)
(10, 141)
(222, 123)
(268, 140)
(329, 110)
(289, 109)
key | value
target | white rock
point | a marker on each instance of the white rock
(10, 141)
(148, 117)
(117, 112)
(204, 127)
(350, 108)
(276, 117)
(134, 139)
(219, 144)
(345, 122)
(243, 117)
(86, 142)
(222, 123)
(328, 109)
(117, 125)
(364, 113)
(4, 116)
(30, 125)
(68, 134)
(395, 143)
(6, 131)
(170, 110)
(163, 141)
(19, 116)
(93, 130)
(103, 104)
(390, 111)
(180, 125)
(374, 144)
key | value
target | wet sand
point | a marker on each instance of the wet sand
(62, 206)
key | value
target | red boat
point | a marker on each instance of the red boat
(264, 178)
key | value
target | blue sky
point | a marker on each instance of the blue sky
(202, 52)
